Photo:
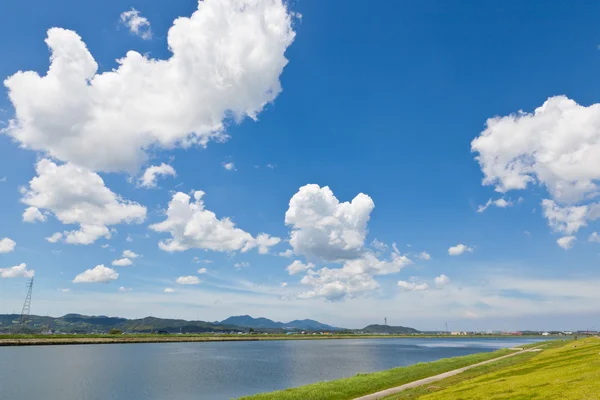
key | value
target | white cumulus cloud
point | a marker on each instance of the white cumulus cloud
(441, 281)
(353, 278)
(425, 256)
(324, 228)
(99, 274)
(297, 266)
(226, 61)
(188, 280)
(18, 271)
(78, 196)
(33, 214)
(557, 146)
(7, 245)
(152, 173)
(413, 286)
(130, 254)
(122, 262)
(229, 166)
(594, 237)
(566, 242)
(202, 271)
(138, 25)
(459, 249)
(191, 225)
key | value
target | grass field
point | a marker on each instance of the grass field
(568, 372)
(362, 384)
(419, 392)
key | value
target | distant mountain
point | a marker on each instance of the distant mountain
(265, 323)
(76, 323)
(388, 329)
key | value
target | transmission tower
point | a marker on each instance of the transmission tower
(26, 306)
(385, 321)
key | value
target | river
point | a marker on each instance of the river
(210, 371)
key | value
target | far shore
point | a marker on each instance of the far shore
(46, 340)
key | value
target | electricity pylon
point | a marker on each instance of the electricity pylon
(26, 306)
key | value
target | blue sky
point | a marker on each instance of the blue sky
(259, 99)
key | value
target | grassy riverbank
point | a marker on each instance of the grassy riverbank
(33, 340)
(363, 384)
(570, 371)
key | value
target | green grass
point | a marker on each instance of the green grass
(362, 384)
(420, 391)
(571, 371)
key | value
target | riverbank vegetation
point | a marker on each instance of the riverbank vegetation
(565, 371)
(38, 339)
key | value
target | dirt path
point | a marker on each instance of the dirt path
(435, 378)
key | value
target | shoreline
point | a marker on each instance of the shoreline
(63, 340)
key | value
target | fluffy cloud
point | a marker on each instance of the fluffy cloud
(138, 25)
(594, 237)
(55, 237)
(33, 214)
(151, 175)
(169, 290)
(99, 274)
(123, 262)
(324, 228)
(565, 219)
(298, 266)
(425, 256)
(354, 278)
(123, 289)
(566, 242)
(413, 286)
(78, 196)
(289, 253)
(202, 271)
(459, 249)
(7, 245)
(558, 145)
(188, 280)
(130, 254)
(109, 121)
(441, 281)
(229, 166)
(500, 203)
(335, 284)
(191, 225)
(18, 271)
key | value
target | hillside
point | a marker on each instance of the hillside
(265, 323)
(77, 323)
(388, 329)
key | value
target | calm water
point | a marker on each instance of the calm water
(209, 371)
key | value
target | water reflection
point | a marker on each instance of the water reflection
(210, 371)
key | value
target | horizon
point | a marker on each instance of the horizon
(428, 163)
